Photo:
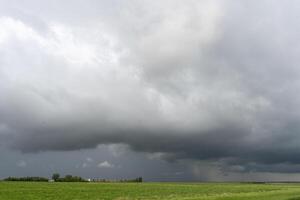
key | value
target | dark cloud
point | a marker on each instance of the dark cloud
(198, 80)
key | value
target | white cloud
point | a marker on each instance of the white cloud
(105, 164)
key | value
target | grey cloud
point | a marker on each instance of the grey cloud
(199, 80)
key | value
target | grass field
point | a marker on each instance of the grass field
(126, 191)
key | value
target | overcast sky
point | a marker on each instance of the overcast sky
(169, 90)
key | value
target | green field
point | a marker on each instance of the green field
(125, 191)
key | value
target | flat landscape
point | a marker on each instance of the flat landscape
(143, 191)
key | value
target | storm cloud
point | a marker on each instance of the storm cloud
(213, 81)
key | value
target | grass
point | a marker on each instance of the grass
(143, 191)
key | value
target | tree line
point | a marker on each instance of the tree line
(28, 178)
(136, 180)
(69, 178)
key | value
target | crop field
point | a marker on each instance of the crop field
(143, 191)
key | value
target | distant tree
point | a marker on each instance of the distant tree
(68, 178)
(55, 176)
(28, 178)
(140, 179)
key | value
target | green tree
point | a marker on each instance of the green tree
(55, 176)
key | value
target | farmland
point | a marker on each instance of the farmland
(143, 191)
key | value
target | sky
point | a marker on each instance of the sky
(171, 90)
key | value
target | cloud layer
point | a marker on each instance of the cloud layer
(200, 80)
